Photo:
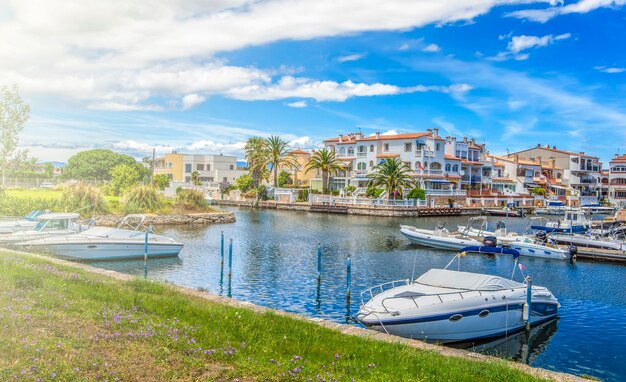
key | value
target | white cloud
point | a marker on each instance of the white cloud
(303, 142)
(582, 6)
(298, 104)
(121, 55)
(610, 70)
(432, 48)
(132, 145)
(520, 43)
(191, 100)
(215, 147)
(390, 132)
(351, 57)
(321, 91)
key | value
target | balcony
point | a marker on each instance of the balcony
(442, 192)
(424, 153)
(361, 154)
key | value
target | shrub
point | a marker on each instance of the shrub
(141, 199)
(191, 200)
(14, 206)
(334, 192)
(84, 197)
(349, 190)
(284, 178)
(123, 177)
(250, 194)
(303, 195)
(417, 193)
(161, 181)
(244, 183)
(261, 193)
(373, 192)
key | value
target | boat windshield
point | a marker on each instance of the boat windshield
(52, 224)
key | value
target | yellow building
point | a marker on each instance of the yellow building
(211, 168)
(299, 175)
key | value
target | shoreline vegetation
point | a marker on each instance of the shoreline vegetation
(189, 207)
(66, 321)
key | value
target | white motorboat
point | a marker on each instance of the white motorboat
(541, 247)
(554, 207)
(589, 241)
(450, 306)
(48, 225)
(501, 233)
(103, 243)
(440, 238)
(575, 221)
(25, 223)
(598, 209)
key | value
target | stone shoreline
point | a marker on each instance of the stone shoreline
(172, 219)
(345, 329)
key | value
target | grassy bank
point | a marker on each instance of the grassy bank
(19, 202)
(62, 323)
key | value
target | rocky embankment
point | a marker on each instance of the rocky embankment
(191, 218)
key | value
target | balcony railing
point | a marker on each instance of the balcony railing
(442, 192)
(425, 153)
(361, 154)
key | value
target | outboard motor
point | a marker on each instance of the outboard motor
(541, 236)
(490, 241)
(573, 250)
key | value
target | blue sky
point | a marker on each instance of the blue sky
(203, 76)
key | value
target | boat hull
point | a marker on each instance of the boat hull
(501, 320)
(540, 251)
(107, 251)
(430, 240)
(573, 229)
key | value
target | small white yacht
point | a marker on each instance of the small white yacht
(48, 225)
(446, 306)
(479, 230)
(589, 241)
(104, 243)
(25, 223)
(574, 221)
(554, 207)
(440, 238)
(542, 247)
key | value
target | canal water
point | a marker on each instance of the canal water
(275, 265)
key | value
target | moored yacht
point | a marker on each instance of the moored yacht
(48, 225)
(445, 306)
(104, 243)
(439, 238)
(25, 223)
(573, 222)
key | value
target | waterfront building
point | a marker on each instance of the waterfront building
(211, 168)
(569, 175)
(617, 181)
(299, 176)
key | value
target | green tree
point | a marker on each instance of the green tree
(244, 183)
(195, 178)
(284, 177)
(97, 164)
(278, 155)
(417, 193)
(161, 181)
(393, 175)
(327, 163)
(13, 115)
(539, 191)
(123, 177)
(257, 157)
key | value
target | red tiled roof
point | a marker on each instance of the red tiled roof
(298, 151)
(619, 159)
(557, 151)
(451, 157)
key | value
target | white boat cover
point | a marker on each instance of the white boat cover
(444, 278)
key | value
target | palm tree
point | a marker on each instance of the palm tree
(195, 178)
(256, 156)
(325, 161)
(278, 156)
(393, 175)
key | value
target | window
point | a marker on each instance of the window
(350, 151)
(437, 147)
(371, 148)
(386, 147)
(200, 167)
(435, 166)
(408, 147)
(618, 169)
(232, 166)
(362, 149)
(187, 167)
(342, 151)
(447, 166)
(208, 167)
(371, 163)
(361, 166)
(455, 168)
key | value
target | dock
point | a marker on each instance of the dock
(595, 254)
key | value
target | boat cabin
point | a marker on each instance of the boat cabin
(56, 221)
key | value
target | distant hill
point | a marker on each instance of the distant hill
(55, 164)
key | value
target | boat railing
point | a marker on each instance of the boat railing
(414, 298)
(380, 288)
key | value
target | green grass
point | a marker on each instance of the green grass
(59, 322)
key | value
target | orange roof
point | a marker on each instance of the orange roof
(470, 162)
(498, 165)
(451, 157)
(619, 159)
(352, 139)
(387, 155)
(512, 160)
(475, 146)
(298, 151)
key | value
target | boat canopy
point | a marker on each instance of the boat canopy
(444, 278)
(556, 204)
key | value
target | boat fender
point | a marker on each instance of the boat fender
(573, 250)
(525, 312)
(490, 241)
